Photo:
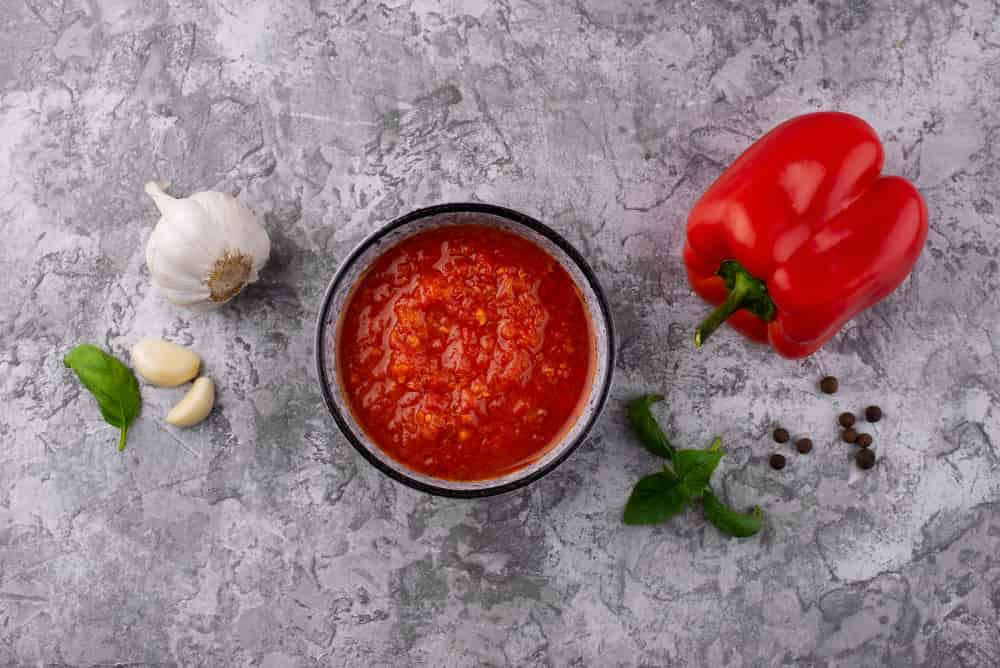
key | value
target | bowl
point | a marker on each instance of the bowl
(353, 270)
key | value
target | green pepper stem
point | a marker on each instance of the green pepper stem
(745, 291)
(732, 304)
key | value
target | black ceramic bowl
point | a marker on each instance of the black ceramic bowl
(358, 262)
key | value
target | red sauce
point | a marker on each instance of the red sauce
(465, 351)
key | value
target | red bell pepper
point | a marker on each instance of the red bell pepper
(801, 233)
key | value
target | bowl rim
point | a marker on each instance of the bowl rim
(603, 384)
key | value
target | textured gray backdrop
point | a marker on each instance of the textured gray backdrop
(260, 538)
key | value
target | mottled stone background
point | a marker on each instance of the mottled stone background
(260, 538)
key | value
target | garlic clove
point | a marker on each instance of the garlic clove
(164, 363)
(195, 406)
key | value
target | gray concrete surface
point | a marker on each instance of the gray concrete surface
(260, 538)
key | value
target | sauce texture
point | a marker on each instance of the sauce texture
(465, 351)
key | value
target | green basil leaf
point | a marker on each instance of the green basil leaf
(646, 426)
(112, 383)
(655, 498)
(729, 521)
(694, 468)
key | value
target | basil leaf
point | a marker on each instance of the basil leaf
(729, 521)
(694, 468)
(655, 498)
(112, 383)
(646, 426)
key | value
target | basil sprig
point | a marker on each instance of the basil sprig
(112, 383)
(659, 496)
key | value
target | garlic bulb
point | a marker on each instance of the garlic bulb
(205, 248)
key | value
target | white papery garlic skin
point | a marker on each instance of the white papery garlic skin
(205, 248)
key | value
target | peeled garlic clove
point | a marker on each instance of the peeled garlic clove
(163, 363)
(195, 406)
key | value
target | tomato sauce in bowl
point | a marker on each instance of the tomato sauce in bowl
(464, 349)
(465, 352)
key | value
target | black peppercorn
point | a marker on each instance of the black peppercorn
(777, 462)
(804, 445)
(865, 458)
(846, 420)
(781, 435)
(864, 440)
(829, 384)
(849, 435)
(873, 413)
